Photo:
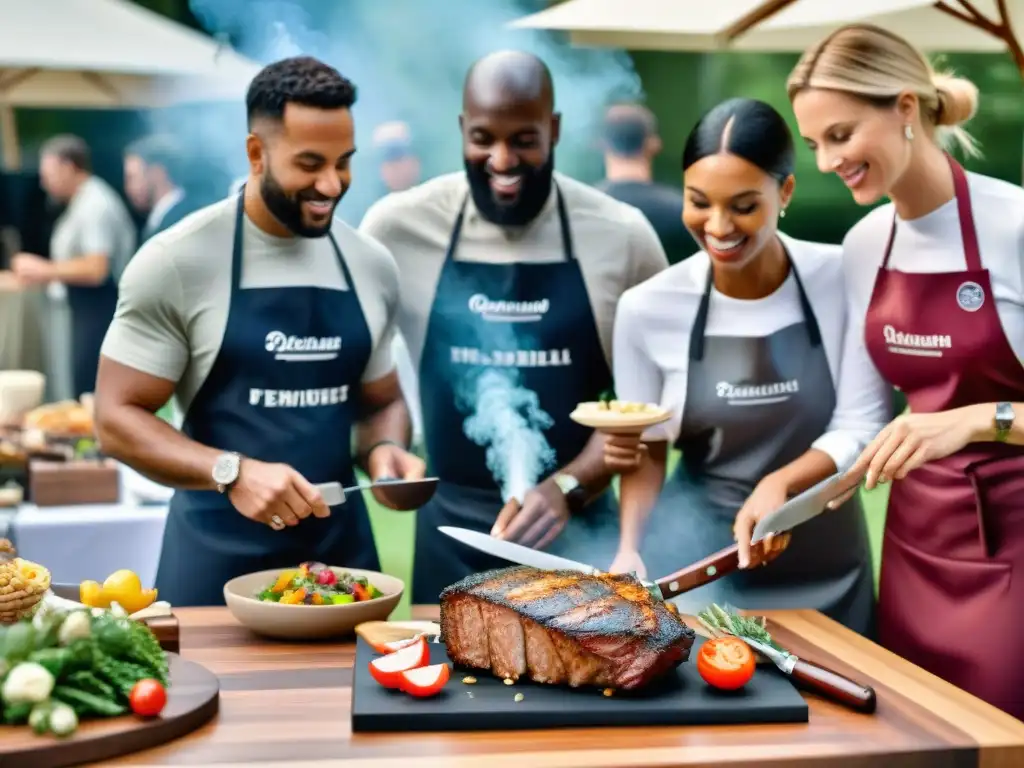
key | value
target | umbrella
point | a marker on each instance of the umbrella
(106, 54)
(782, 25)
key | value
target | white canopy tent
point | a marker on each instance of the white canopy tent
(779, 25)
(106, 53)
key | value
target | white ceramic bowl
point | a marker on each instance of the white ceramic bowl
(308, 622)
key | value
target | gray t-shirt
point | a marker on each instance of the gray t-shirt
(175, 294)
(96, 221)
(615, 244)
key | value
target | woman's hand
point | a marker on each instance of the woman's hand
(628, 561)
(770, 494)
(623, 453)
(911, 440)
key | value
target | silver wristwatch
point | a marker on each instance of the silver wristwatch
(1004, 421)
(575, 494)
(225, 470)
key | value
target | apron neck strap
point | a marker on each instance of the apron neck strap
(236, 248)
(968, 232)
(563, 220)
(700, 321)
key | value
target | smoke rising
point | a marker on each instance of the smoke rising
(408, 59)
(508, 421)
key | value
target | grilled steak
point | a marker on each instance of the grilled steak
(562, 627)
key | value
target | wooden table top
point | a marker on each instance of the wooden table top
(286, 704)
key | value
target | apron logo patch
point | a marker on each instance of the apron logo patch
(508, 311)
(970, 296)
(757, 394)
(302, 349)
(919, 345)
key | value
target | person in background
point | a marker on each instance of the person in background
(630, 142)
(936, 291)
(154, 183)
(91, 244)
(270, 321)
(743, 344)
(510, 276)
(399, 165)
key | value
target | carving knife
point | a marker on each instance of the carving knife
(696, 575)
(803, 506)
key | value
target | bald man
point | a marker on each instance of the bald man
(631, 142)
(510, 274)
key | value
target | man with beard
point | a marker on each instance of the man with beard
(510, 276)
(270, 322)
(154, 183)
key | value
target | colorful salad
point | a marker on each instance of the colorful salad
(316, 584)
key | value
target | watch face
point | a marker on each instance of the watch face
(1004, 414)
(567, 483)
(226, 469)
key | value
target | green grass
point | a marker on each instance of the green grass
(395, 533)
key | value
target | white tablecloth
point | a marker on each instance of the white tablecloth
(91, 541)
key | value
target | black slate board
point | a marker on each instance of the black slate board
(683, 698)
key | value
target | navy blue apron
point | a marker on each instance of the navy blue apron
(92, 310)
(534, 320)
(250, 404)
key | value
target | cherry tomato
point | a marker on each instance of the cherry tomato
(726, 663)
(386, 670)
(147, 698)
(424, 681)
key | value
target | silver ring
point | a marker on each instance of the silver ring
(276, 522)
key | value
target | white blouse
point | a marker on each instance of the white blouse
(655, 319)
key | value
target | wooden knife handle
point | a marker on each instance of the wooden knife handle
(712, 567)
(832, 685)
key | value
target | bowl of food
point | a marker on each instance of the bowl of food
(312, 601)
(619, 416)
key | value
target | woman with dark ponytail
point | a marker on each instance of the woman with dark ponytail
(743, 343)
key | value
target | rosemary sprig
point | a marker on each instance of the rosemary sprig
(718, 620)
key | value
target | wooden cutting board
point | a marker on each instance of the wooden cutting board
(193, 699)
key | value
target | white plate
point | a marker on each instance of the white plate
(591, 415)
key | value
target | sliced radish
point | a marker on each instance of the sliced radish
(424, 681)
(387, 669)
(396, 645)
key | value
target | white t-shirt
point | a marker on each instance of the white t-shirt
(655, 320)
(933, 243)
(96, 221)
(175, 294)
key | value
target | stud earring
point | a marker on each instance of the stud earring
(908, 132)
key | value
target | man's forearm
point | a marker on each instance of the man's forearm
(82, 270)
(589, 467)
(154, 448)
(389, 423)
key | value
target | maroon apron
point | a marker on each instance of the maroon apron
(954, 532)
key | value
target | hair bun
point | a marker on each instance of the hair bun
(958, 99)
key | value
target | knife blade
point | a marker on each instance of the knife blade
(802, 507)
(709, 569)
(515, 553)
(818, 679)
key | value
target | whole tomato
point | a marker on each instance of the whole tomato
(147, 698)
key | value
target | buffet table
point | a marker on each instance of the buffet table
(288, 704)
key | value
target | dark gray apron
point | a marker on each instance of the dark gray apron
(752, 406)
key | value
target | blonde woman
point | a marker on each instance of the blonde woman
(937, 308)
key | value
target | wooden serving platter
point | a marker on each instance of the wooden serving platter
(193, 699)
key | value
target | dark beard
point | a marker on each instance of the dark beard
(533, 193)
(287, 209)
